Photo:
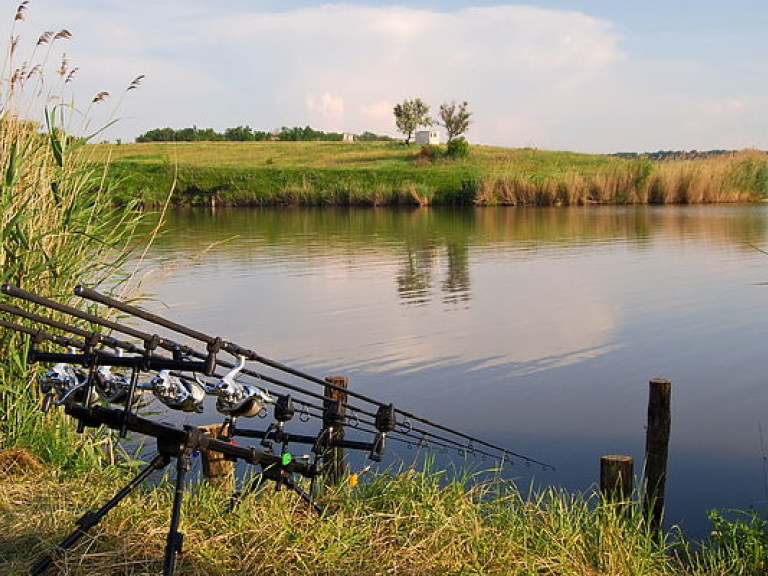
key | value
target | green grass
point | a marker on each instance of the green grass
(412, 523)
(390, 173)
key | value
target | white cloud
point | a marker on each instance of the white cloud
(498, 58)
(327, 111)
(532, 76)
(337, 66)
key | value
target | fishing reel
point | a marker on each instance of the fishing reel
(113, 387)
(236, 399)
(62, 384)
(176, 393)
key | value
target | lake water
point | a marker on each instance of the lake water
(537, 329)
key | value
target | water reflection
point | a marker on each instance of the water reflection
(318, 230)
(421, 264)
(528, 289)
(434, 246)
(535, 328)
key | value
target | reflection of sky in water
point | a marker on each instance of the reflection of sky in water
(540, 343)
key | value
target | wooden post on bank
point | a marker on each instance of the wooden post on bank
(218, 470)
(333, 458)
(616, 477)
(657, 449)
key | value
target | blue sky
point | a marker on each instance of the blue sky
(582, 75)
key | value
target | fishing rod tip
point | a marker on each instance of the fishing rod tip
(7, 288)
(79, 289)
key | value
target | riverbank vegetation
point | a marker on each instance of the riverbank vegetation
(411, 523)
(59, 226)
(391, 173)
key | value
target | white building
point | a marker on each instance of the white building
(423, 137)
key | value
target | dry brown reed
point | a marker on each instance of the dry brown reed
(730, 178)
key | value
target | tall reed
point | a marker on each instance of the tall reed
(741, 177)
(58, 224)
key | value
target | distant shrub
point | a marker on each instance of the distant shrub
(458, 148)
(430, 152)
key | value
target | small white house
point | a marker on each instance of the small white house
(423, 137)
(347, 137)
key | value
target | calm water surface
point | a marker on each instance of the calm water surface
(534, 328)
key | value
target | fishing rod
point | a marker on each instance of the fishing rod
(237, 350)
(108, 341)
(65, 387)
(63, 383)
(83, 374)
(153, 340)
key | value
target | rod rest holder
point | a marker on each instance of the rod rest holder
(281, 437)
(188, 437)
(385, 422)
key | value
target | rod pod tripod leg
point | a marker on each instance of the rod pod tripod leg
(175, 538)
(90, 519)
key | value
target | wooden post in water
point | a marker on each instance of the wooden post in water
(657, 449)
(218, 470)
(333, 458)
(616, 477)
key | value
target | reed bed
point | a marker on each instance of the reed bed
(406, 523)
(737, 178)
(58, 224)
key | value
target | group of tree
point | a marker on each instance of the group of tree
(248, 134)
(410, 115)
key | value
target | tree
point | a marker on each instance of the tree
(455, 118)
(410, 115)
(239, 134)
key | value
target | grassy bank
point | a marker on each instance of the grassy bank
(380, 173)
(411, 523)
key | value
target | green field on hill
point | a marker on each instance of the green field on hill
(391, 173)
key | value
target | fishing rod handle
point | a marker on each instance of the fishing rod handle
(109, 341)
(17, 292)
